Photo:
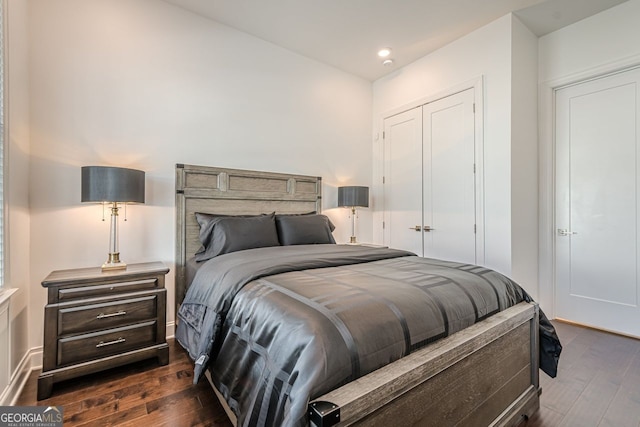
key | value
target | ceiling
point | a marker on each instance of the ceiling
(347, 33)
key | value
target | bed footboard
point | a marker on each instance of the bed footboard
(484, 375)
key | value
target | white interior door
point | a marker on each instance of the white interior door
(449, 178)
(403, 180)
(597, 189)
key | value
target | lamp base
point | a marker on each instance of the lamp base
(114, 266)
(114, 263)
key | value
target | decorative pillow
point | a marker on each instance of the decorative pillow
(331, 226)
(236, 233)
(304, 229)
(206, 226)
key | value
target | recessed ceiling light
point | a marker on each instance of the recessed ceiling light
(387, 62)
(383, 53)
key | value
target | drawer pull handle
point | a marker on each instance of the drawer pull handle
(104, 344)
(104, 316)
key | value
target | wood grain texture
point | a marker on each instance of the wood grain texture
(106, 313)
(98, 320)
(91, 274)
(120, 396)
(108, 288)
(141, 393)
(598, 382)
(233, 192)
(484, 368)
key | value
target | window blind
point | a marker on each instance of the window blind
(2, 137)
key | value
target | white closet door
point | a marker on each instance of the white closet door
(449, 178)
(403, 180)
(597, 203)
(429, 189)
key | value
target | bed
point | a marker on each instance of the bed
(284, 335)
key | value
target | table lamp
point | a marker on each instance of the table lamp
(112, 185)
(352, 197)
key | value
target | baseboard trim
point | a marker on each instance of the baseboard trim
(31, 361)
(171, 327)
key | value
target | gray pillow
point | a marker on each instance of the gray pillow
(236, 233)
(304, 229)
(206, 226)
(331, 226)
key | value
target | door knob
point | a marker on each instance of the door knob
(416, 228)
(565, 232)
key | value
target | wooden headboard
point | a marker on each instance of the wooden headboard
(233, 192)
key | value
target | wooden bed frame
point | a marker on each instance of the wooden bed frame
(485, 375)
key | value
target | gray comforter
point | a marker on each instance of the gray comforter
(282, 325)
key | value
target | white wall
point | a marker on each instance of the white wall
(524, 157)
(17, 274)
(487, 52)
(144, 84)
(602, 39)
(603, 43)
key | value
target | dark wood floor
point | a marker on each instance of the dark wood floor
(140, 394)
(598, 384)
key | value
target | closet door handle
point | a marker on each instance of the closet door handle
(426, 228)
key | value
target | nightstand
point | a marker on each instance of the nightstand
(97, 320)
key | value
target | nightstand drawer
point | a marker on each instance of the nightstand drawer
(81, 348)
(94, 317)
(72, 293)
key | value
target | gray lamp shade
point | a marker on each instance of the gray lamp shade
(109, 184)
(353, 196)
